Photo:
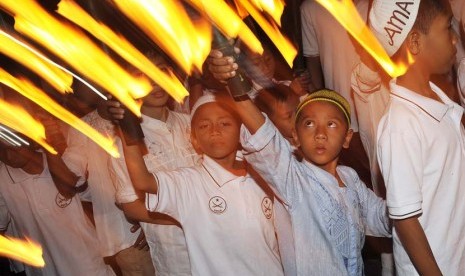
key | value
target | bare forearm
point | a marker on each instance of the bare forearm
(416, 245)
(316, 73)
(65, 180)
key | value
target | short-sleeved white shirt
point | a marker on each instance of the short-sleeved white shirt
(169, 148)
(66, 234)
(422, 156)
(227, 219)
(85, 158)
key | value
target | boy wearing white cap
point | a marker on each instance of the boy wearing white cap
(421, 140)
(226, 216)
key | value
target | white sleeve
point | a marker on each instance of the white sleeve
(365, 81)
(125, 192)
(175, 192)
(399, 156)
(309, 38)
(75, 155)
(272, 157)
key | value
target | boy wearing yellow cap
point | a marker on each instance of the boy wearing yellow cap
(331, 209)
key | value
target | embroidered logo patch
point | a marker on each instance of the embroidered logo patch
(62, 201)
(267, 207)
(217, 204)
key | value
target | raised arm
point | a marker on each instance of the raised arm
(224, 68)
(141, 178)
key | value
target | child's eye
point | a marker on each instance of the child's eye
(203, 126)
(309, 123)
(332, 124)
(224, 124)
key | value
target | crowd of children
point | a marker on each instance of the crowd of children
(259, 182)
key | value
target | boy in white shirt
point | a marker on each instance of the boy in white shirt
(226, 216)
(330, 207)
(421, 139)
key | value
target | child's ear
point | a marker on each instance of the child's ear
(295, 138)
(414, 42)
(348, 138)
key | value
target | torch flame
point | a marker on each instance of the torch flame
(346, 13)
(60, 80)
(228, 22)
(26, 251)
(124, 48)
(73, 46)
(19, 119)
(274, 8)
(28, 90)
(286, 48)
(167, 23)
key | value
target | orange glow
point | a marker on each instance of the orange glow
(167, 23)
(228, 22)
(28, 90)
(286, 48)
(274, 8)
(17, 118)
(346, 13)
(26, 251)
(72, 45)
(60, 80)
(124, 48)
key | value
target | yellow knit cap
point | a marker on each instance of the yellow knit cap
(327, 96)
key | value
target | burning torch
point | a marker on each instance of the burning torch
(238, 86)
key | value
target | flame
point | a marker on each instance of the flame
(60, 80)
(124, 48)
(26, 251)
(167, 23)
(19, 119)
(28, 90)
(228, 22)
(286, 48)
(72, 45)
(274, 8)
(346, 13)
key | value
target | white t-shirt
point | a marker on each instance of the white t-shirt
(169, 148)
(227, 219)
(67, 236)
(84, 157)
(323, 36)
(421, 152)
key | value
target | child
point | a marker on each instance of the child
(226, 216)
(168, 147)
(330, 208)
(420, 140)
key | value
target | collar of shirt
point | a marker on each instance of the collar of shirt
(218, 174)
(152, 124)
(431, 107)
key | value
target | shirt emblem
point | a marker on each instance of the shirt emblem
(217, 205)
(267, 207)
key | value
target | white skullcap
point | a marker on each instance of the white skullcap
(207, 98)
(391, 21)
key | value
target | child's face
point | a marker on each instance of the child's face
(439, 45)
(282, 116)
(321, 132)
(215, 131)
(265, 63)
(157, 97)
